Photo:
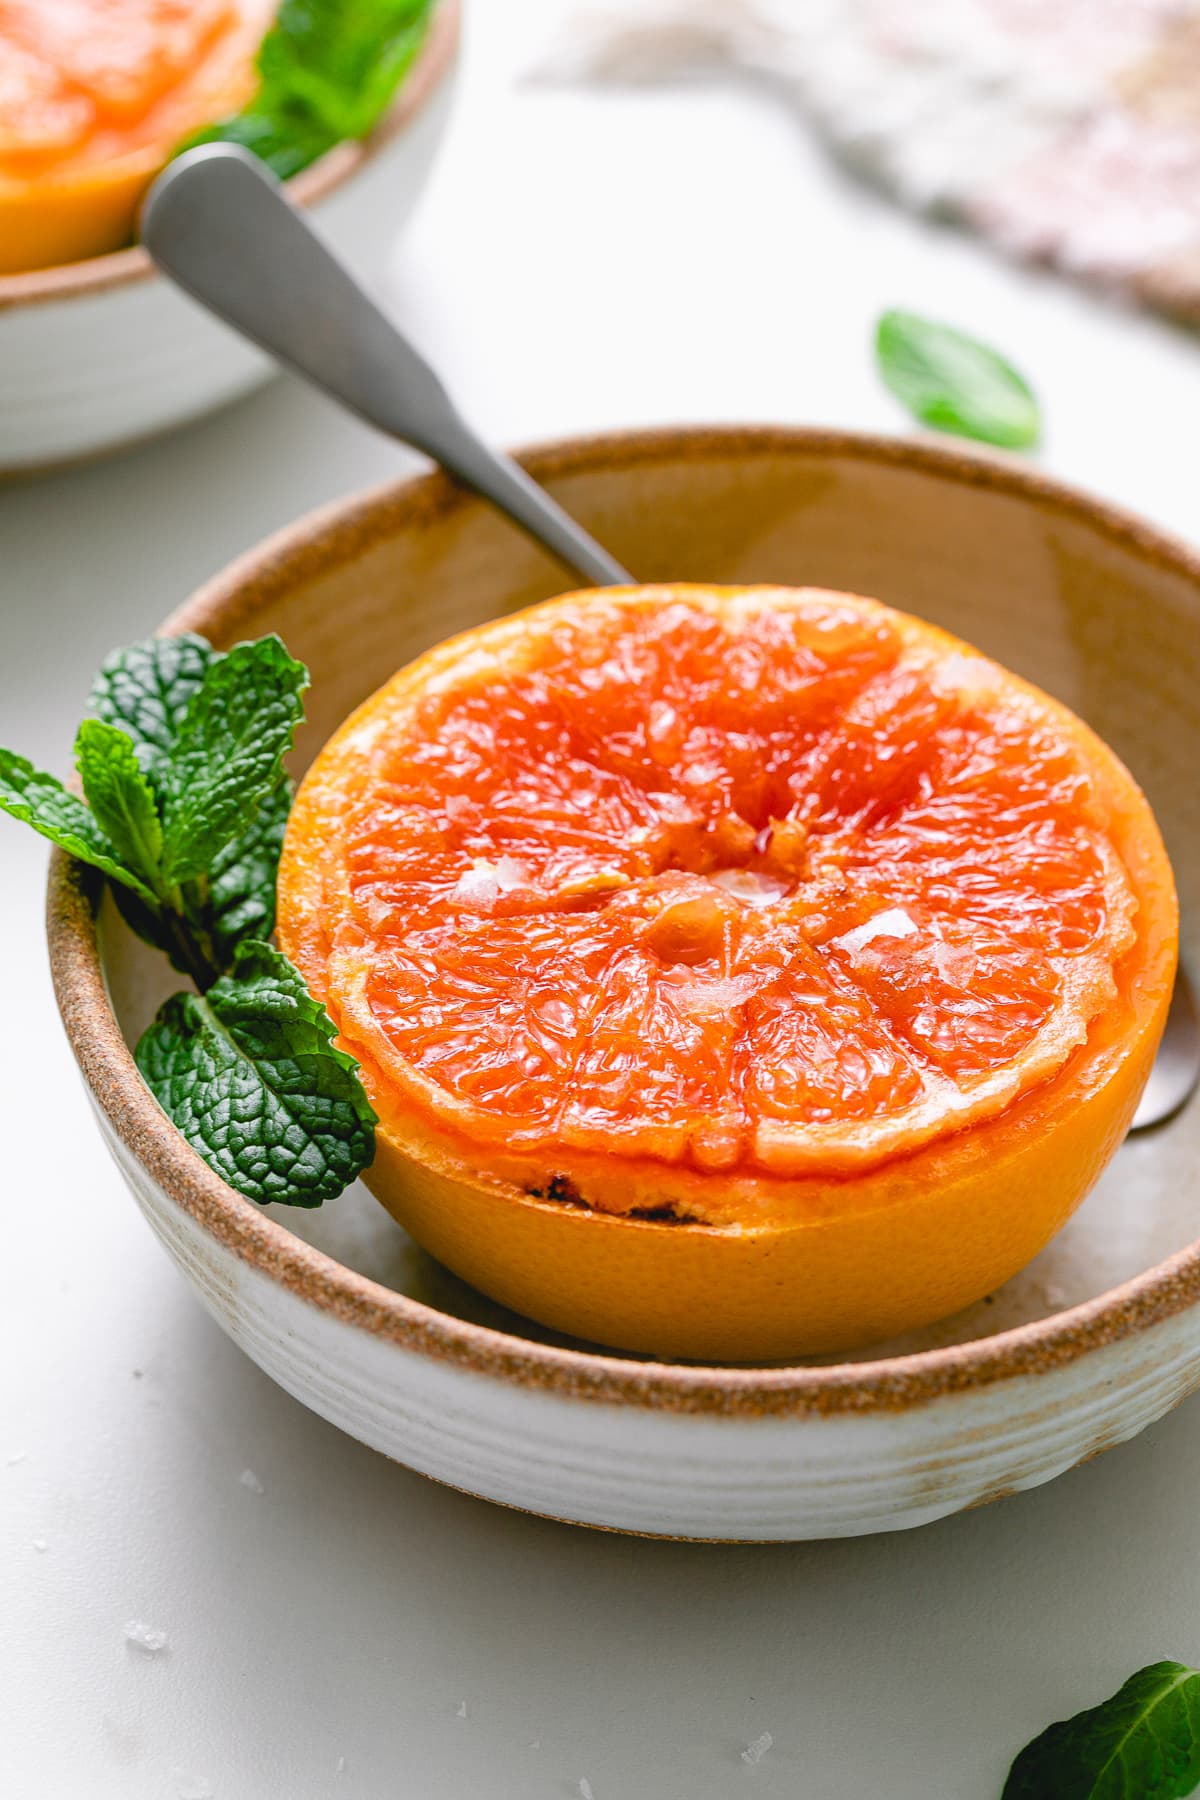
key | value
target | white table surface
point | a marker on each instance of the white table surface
(581, 260)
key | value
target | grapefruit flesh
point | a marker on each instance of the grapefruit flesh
(94, 97)
(740, 913)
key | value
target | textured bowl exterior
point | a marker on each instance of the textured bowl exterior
(1105, 612)
(88, 367)
(675, 1473)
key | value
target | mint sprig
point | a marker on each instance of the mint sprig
(954, 382)
(327, 71)
(186, 805)
(1144, 1742)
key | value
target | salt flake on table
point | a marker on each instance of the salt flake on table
(250, 1480)
(341, 1766)
(145, 1637)
(18, 1456)
(754, 1752)
(461, 1709)
(40, 1544)
(192, 1787)
(585, 1789)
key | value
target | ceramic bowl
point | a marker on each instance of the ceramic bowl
(106, 352)
(1097, 1338)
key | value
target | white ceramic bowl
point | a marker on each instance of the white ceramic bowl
(1097, 1338)
(102, 353)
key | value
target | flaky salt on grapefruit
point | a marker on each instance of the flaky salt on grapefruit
(737, 973)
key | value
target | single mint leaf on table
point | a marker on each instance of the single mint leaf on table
(120, 797)
(249, 1074)
(328, 70)
(1142, 1744)
(227, 757)
(42, 801)
(146, 689)
(954, 383)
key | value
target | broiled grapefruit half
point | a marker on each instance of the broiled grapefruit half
(737, 973)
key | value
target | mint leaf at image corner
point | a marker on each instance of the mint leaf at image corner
(1142, 1744)
(250, 1076)
(328, 70)
(227, 756)
(955, 383)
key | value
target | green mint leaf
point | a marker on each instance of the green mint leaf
(42, 801)
(241, 882)
(283, 137)
(147, 688)
(239, 896)
(228, 754)
(341, 60)
(250, 1076)
(120, 797)
(954, 383)
(1143, 1744)
(146, 691)
(328, 70)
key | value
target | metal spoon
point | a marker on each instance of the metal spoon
(221, 226)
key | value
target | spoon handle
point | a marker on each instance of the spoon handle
(221, 226)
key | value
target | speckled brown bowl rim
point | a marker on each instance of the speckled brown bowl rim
(336, 535)
(120, 268)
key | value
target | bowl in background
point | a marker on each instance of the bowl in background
(1099, 1336)
(102, 353)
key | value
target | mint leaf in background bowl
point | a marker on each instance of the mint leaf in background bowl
(328, 70)
(1142, 1744)
(954, 383)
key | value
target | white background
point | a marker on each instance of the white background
(581, 260)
